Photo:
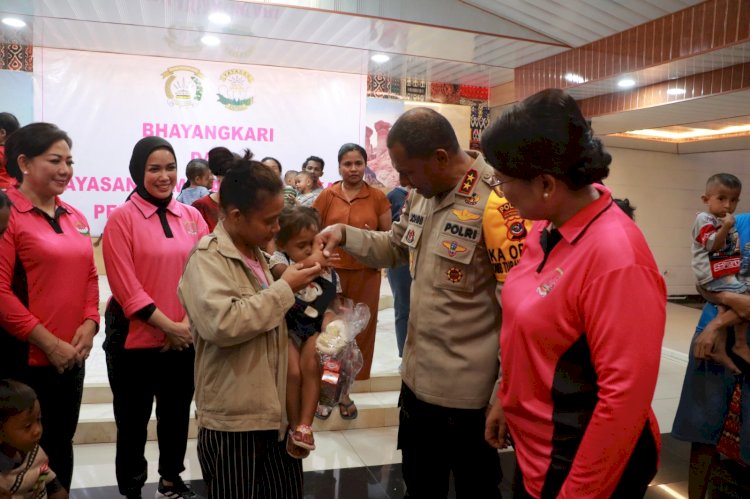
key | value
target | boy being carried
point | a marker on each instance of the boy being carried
(716, 259)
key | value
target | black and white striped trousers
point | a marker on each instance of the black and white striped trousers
(248, 465)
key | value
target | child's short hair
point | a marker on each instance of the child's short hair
(290, 173)
(307, 174)
(195, 168)
(15, 398)
(294, 220)
(726, 179)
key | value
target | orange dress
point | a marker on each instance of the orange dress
(358, 282)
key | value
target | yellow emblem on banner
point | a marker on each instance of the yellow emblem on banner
(183, 86)
(234, 89)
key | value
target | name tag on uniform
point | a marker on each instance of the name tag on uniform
(413, 230)
(469, 232)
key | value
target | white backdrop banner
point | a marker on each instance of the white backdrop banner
(107, 102)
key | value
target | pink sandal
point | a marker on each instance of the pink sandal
(302, 436)
(293, 450)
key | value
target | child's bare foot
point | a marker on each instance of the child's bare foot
(742, 350)
(720, 356)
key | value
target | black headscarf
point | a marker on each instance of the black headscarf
(142, 150)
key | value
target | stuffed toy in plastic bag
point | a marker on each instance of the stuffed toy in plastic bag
(340, 358)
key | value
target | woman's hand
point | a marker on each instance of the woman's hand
(495, 428)
(83, 340)
(63, 356)
(298, 277)
(177, 335)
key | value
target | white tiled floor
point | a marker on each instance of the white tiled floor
(367, 447)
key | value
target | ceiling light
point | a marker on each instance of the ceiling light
(13, 22)
(210, 40)
(626, 83)
(574, 78)
(692, 134)
(380, 58)
(220, 18)
(676, 91)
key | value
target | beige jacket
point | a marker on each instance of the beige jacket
(451, 353)
(240, 338)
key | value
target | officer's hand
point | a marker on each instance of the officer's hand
(330, 238)
(495, 429)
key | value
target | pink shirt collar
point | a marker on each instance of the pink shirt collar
(578, 223)
(148, 209)
(24, 205)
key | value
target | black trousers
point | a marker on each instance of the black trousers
(248, 465)
(639, 471)
(60, 401)
(137, 377)
(436, 441)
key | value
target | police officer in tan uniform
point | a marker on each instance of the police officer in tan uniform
(450, 362)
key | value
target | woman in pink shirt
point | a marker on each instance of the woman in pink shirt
(149, 349)
(49, 290)
(583, 314)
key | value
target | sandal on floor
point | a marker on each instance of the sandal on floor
(293, 450)
(302, 436)
(347, 406)
(323, 412)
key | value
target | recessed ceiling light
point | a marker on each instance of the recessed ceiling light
(210, 40)
(13, 22)
(220, 18)
(574, 78)
(676, 91)
(626, 83)
(380, 58)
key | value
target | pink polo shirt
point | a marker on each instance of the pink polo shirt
(144, 266)
(581, 344)
(54, 263)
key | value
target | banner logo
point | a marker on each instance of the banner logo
(183, 86)
(234, 89)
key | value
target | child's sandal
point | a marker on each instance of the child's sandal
(302, 436)
(293, 450)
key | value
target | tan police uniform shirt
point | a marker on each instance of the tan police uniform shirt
(451, 353)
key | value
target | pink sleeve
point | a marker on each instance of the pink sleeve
(624, 316)
(117, 249)
(15, 318)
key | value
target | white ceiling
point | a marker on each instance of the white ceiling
(475, 42)
(469, 42)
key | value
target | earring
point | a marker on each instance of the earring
(25, 173)
(545, 195)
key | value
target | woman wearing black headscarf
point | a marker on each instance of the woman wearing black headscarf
(149, 349)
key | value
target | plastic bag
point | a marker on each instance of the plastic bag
(340, 358)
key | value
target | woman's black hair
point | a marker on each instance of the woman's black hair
(31, 140)
(278, 163)
(4, 200)
(219, 159)
(247, 184)
(348, 147)
(626, 207)
(196, 167)
(294, 220)
(9, 123)
(15, 398)
(546, 134)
